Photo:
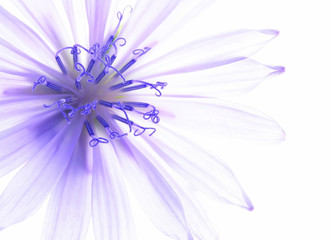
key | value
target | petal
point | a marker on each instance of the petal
(159, 201)
(112, 218)
(24, 37)
(206, 173)
(69, 209)
(98, 13)
(32, 184)
(22, 140)
(146, 16)
(203, 54)
(49, 18)
(197, 222)
(230, 79)
(215, 118)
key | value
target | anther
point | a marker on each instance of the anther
(127, 66)
(90, 66)
(75, 53)
(101, 76)
(137, 104)
(133, 88)
(61, 65)
(105, 103)
(121, 85)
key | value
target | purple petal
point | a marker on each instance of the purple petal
(112, 218)
(69, 209)
(159, 201)
(24, 139)
(32, 184)
(204, 53)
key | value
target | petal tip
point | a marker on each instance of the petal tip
(272, 32)
(277, 70)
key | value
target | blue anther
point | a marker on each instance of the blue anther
(123, 120)
(102, 121)
(127, 66)
(133, 88)
(121, 85)
(137, 104)
(61, 66)
(100, 76)
(129, 108)
(53, 86)
(105, 103)
(78, 85)
(90, 66)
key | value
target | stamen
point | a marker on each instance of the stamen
(105, 103)
(129, 89)
(79, 67)
(90, 66)
(127, 66)
(95, 140)
(137, 104)
(121, 85)
(42, 80)
(107, 46)
(144, 85)
(100, 76)
(61, 65)
(112, 134)
(75, 51)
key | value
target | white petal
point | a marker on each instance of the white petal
(49, 19)
(230, 79)
(31, 185)
(203, 54)
(112, 218)
(159, 201)
(198, 168)
(23, 37)
(214, 118)
(69, 209)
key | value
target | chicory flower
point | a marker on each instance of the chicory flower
(90, 102)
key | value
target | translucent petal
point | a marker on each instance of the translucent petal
(112, 217)
(159, 201)
(197, 221)
(49, 18)
(203, 54)
(69, 209)
(230, 79)
(147, 15)
(212, 117)
(24, 37)
(22, 140)
(31, 185)
(199, 168)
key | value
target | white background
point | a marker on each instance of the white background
(289, 183)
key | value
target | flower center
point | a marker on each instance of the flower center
(96, 90)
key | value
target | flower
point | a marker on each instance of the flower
(89, 102)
